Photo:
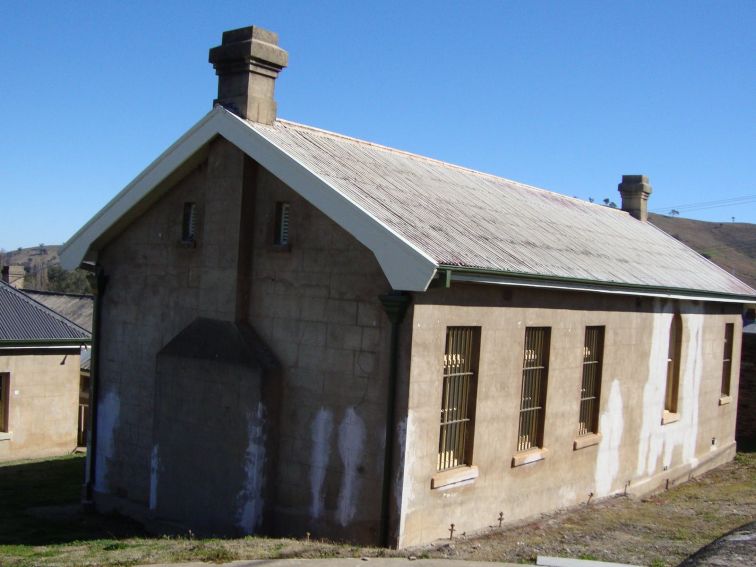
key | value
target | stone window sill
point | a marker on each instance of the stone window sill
(529, 456)
(453, 476)
(586, 441)
(669, 417)
(724, 400)
(5, 435)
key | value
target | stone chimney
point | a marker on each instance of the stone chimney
(635, 190)
(14, 276)
(247, 64)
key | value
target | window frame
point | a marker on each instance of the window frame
(729, 341)
(5, 402)
(465, 387)
(591, 360)
(672, 387)
(537, 387)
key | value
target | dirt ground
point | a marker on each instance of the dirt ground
(662, 529)
(42, 524)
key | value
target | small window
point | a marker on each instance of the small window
(535, 371)
(282, 225)
(590, 392)
(4, 401)
(458, 397)
(189, 223)
(673, 364)
(727, 358)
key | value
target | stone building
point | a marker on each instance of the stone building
(39, 378)
(297, 331)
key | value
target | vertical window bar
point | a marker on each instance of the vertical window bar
(590, 392)
(457, 398)
(533, 397)
(727, 358)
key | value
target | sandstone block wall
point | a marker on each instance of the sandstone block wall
(315, 306)
(635, 449)
(44, 403)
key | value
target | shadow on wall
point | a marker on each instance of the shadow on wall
(745, 431)
(40, 505)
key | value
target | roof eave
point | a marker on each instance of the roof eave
(51, 343)
(406, 267)
(495, 277)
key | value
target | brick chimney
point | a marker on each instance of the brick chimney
(635, 190)
(14, 276)
(247, 64)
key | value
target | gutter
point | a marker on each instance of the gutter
(43, 343)
(450, 273)
(101, 281)
(395, 304)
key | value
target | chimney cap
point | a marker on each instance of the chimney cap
(250, 45)
(634, 191)
(247, 63)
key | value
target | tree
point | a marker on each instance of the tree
(609, 203)
(674, 213)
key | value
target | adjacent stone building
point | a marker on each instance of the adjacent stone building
(39, 378)
(297, 331)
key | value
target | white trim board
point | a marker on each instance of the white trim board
(406, 267)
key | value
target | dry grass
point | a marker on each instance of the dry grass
(40, 526)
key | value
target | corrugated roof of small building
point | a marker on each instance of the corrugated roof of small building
(75, 307)
(23, 320)
(464, 218)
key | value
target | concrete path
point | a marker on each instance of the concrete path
(367, 562)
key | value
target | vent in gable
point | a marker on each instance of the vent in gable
(282, 224)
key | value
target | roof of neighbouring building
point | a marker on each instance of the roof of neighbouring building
(420, 216)
(26, 321)
(74, 307)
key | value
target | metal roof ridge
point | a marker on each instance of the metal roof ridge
(42, 307)
(432, 160)
(62, 293)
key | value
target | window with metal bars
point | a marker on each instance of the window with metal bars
(727, 358)
(673, 364)
(189, 223)
(282, 224)
(535, 371)
(4, 401)
(458, 397)
(590, 391)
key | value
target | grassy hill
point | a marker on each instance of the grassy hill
(731, 245)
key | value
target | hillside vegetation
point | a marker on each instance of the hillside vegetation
(730, 245)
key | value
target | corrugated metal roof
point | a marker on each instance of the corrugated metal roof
(465, 218)
(74, 307)
(23, 319)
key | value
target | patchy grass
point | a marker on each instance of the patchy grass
(40, 524)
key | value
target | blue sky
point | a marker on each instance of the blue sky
(567, 96)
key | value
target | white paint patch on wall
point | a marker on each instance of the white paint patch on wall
(650, 442)
(659, 441)
(250, 497)
(611, 425)
(407, 492)
(401, 441)
(351, 446)
(684, 433)
(154, 465)
(320, 452)
(107, 422)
